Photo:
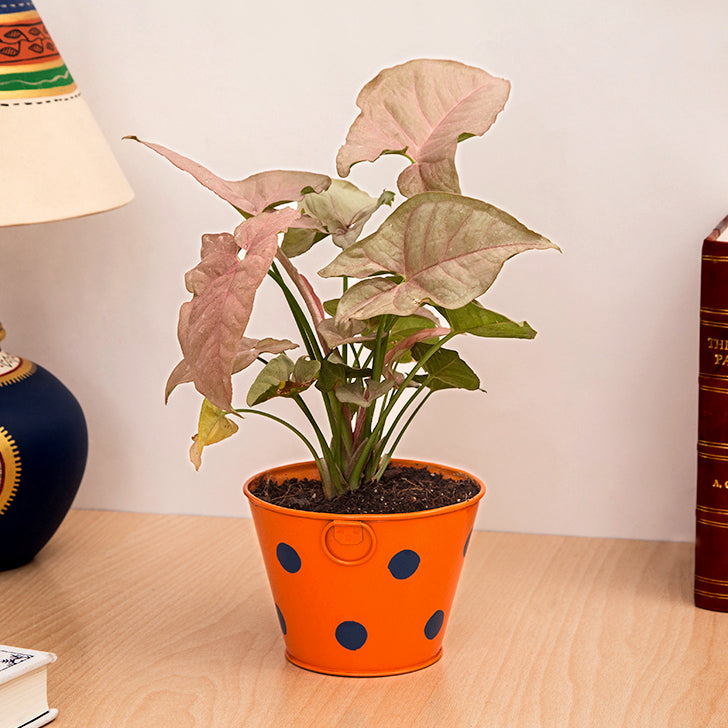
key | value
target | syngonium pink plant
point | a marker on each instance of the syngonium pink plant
(377, 353)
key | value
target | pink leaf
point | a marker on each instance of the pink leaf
(444, 249)
(254, 194)
(248, 352)
(406, 344)
(423, 108)
(212, 325)
(216, 253)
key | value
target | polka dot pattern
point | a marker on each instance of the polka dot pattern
(288, 558)
(404, 564)
(281, 620)
(351, 635)
(434, 624)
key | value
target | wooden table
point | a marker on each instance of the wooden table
(167, 622)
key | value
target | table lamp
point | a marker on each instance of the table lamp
(54, 164)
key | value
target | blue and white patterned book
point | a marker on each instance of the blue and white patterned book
(23, 688)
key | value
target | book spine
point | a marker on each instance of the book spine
(711, 514)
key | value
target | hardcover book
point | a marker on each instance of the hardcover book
(711, 515)
(23, 688)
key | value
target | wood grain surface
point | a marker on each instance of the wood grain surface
(167, 621)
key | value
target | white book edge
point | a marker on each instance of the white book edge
(35, 659)
(41, 719)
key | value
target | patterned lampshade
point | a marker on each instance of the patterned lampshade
(54, 161)
(54, 164)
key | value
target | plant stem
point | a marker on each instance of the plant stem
(339, 434)
(312, 301)
(304, 328)
(314, 425)
(385, 437)
(332, 486)
(280, 421)
(356, 473)
(380, 350)
(385, 460)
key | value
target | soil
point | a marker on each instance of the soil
(400, 490)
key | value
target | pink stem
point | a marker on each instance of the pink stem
(312, 301)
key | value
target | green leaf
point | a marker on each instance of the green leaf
(402, 330)
(479, 321)
(270, 380)
(446, 370)
(363, 396)
(297, 241)
(305, 371)
(331, 376)
(352, 393)
(405, 326)
(330, 306)
(379, 389)
(334, 374)
(280, 377)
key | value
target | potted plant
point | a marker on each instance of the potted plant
(355, 541)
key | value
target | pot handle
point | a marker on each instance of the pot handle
(348, 543)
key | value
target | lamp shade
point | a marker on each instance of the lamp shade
(54, 160)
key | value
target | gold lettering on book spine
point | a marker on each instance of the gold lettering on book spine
(711, 514)
(9, 469)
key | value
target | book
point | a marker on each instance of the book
(711, 513)
(23, 688)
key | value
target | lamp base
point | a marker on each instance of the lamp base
(43, 451)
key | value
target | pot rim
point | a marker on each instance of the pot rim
(260, 503)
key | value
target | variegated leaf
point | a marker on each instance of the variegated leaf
(444, 249)
(363, 395)
(281, 377)
(422, 108)
(343, 210)
(212, 325)
(248, 352)
(403, 347)
(253, 194)
(348, 333)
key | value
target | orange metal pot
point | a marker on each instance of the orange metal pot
(362, 595)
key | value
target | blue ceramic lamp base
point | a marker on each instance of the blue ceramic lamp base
(43, 450)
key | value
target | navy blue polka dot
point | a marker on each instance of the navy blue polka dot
(434, 624)
(404, 564)
(351, 635)
(281, 620)
(467, 543)
(288, 558)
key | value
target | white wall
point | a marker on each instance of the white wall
(613, 144)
